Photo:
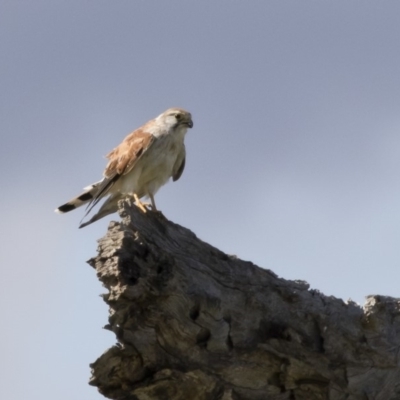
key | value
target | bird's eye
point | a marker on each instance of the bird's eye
(178, 116)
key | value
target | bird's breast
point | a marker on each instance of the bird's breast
(155, 167)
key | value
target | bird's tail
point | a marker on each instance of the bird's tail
(85, 197)
(110, 206)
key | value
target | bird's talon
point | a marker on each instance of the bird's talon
(142, 207)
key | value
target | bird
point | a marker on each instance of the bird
(143, 162)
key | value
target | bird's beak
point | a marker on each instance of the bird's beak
(190, 123)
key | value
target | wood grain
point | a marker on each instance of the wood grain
(195, 323)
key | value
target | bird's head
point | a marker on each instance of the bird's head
(176, 117)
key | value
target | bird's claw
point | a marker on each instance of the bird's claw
(144, 207)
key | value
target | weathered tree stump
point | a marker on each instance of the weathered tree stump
(195, 323)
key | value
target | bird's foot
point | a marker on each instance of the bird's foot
(144, 207)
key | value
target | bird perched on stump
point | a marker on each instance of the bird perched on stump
(139, 166)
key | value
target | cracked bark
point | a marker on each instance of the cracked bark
(195, 323)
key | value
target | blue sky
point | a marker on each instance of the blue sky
(293, 162)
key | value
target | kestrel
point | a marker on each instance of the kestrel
(139, 166)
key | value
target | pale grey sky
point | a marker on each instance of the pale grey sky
(293, 162)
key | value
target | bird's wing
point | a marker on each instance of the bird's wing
(110, 206)
(122, 159)
(179, 165)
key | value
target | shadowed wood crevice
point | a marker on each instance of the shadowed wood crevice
(195, 323)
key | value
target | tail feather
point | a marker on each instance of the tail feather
(91, 196)
(85, 197)
(102, 188)
(110, 206)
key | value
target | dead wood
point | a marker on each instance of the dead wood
(195, 323)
